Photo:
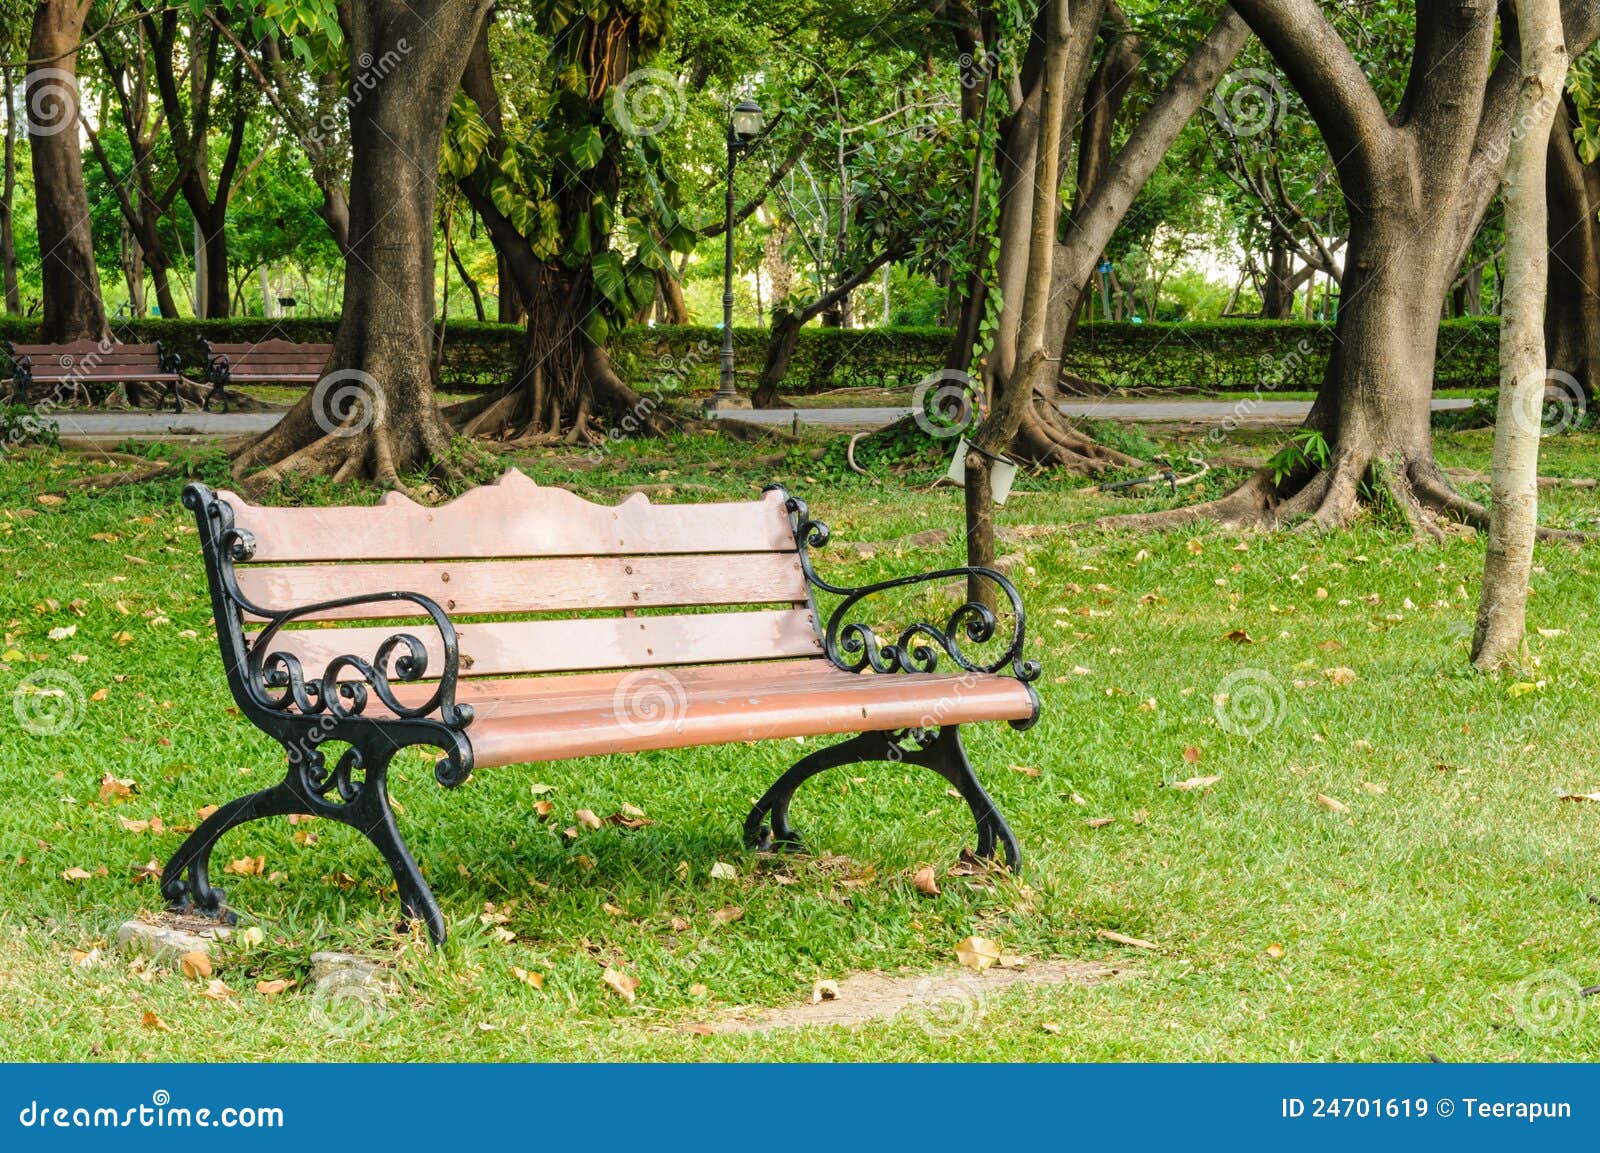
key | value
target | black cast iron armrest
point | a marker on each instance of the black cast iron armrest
(854, 646)
(401, 658)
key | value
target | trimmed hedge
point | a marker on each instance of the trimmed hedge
(1218, 356)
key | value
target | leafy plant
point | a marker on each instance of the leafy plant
(1306, 449)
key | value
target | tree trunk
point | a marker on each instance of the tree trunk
(1572, 320)
(1277, 297)
(1417, 185)
(786, 326)
(8, 191)
(374, 415)
(1514, 478)
(73, 309)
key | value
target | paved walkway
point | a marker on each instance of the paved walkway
(104, 428)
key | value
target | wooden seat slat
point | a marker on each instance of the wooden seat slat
(542, 646)
(749, 709)
(553, 584)
(511, 518)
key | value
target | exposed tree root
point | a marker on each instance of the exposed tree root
(1046, 439)
(1331, 497)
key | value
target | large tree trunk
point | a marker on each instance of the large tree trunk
(1572, 320)
(374, 414)
(73, 309)
(1514, 477)
(1416, 185)
(1277, 296)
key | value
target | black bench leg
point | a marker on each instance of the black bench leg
(361, 804)
(768, 826)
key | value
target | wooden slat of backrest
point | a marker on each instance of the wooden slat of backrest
(509, 647)
(512, 518)
(556, 584)
(270, 348)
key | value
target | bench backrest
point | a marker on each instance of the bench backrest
(91, 360)
(272, 359)
(513, 563)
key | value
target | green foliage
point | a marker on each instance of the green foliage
(1307, 449)
(20, 425)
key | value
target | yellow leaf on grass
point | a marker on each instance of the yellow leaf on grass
(76, 874)
(977, 952)
(217, 990)
(1340, 675)
(272, 988)
(195, 965)
(621, 983)
(587, 819)
(1332, 804)
(1523, 688)
(1194, 783)
(722, 871)
(111, 787)
(1274, 950)
(246, 867)
(531, 979)
(151, 1021)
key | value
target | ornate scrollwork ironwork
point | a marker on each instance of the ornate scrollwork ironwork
(274, 680)
(855, 646)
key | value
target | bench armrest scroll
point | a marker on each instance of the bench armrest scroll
(401, 658)
(854, 646)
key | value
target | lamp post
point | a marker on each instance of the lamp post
(743, 127)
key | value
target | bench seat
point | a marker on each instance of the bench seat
(520, 624)
(585, 715)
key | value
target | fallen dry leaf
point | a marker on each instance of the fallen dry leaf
(1578, 796)
(722, 871)
(1123, 939)
(729, 914)
(111, 787)
(1100, 822)
(977, 953)
(1025, 770)
(151, 1021)
(217, 990)
(1192, 755)
(1340, 675)
(1274, 950)
(1239, 637)
(195, 965)
(246, 867)
(926, 882)
(621, 983)
(586, 818)
(531, 979)
(1331, 804)
(1194, 783)
(824, 991)
(76, 874)
(272, 988)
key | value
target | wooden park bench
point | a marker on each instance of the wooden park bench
(264, 362)
(54, 369)
(484, 656)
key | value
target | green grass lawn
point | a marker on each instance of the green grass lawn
(1382, 870)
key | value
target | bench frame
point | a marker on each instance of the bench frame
(219, 373)
(272, 690)
(168, 371)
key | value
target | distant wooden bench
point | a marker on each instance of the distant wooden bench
(264, 362)
(485, 658)
(81, 363)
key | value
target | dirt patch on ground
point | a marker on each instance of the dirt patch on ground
(951, 1000)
